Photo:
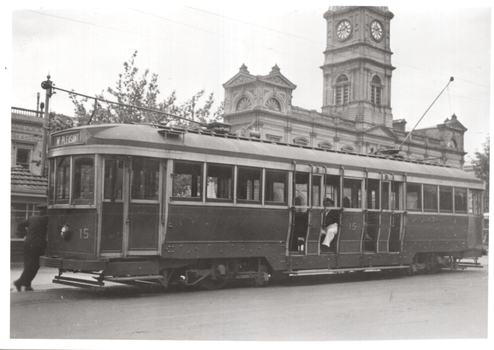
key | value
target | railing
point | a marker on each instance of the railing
(26, 112)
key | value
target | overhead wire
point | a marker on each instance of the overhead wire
(249, 43)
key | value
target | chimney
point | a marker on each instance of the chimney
(399, 124)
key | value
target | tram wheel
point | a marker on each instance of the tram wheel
(211, 283)
(215, 280)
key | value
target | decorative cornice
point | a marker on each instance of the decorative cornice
(357, 59)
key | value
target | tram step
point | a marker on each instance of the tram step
(334, 271)
(133, 278)
(77, 282)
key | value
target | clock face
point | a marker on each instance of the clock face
(376, 30)
(343, 30)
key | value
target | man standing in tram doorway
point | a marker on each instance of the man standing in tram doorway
(34, 229)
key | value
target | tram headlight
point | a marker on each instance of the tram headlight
(65, 232)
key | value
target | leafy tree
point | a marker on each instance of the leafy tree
(143, 91)
(59, 122)
(481, 167)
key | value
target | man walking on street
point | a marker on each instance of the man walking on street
(34, 229)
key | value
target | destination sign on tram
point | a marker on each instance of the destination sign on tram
(66, 139)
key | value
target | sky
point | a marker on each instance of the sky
(195, 45)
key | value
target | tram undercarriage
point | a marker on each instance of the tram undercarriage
(213, 274)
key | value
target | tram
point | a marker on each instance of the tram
(140, 203)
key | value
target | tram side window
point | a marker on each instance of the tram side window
(113, 179)
(276, 187)
(83, 180)
(51, 182)
(249, 184)
(333, 189)
(187, 180)
(414, 197)
(352, 193)
(372, 194)
(396, 190)
(430, 198)
(445, 199)
(316, 190)
(475, 202)
(385, 195)
(460, 200)
(62, 180)
(145, 178)
(302, 189)
(219, 182)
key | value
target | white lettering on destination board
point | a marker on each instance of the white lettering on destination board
(67, 139)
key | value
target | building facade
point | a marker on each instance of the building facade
(356, 113)
(27, 185)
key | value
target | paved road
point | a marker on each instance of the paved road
(368, 306)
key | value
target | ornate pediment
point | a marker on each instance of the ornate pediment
(276, 78)
(453, 123)
(239, 79)
(380, 130)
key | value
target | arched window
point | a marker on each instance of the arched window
(273, 104)
(376, 88)
(302, 141)
(325, 145)
(342, 90)
(243, 104)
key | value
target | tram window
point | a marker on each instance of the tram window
(275, 186)
(352, 193)
(219, 182)
(62, 180)
(333, 189)
(113, 179)
(385, 196)
(430, 198)
(460, 200)
(396, 190)
(187, 180)
(145, 178)
(51, 182)
(475, 202)
(445, 199)
(249, 184)
(316, 191)
(83, 180)
(372, 194)
(301, 189)
(414, 197)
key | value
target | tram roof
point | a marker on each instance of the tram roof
(159, 137)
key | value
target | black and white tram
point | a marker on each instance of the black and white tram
(135, 203)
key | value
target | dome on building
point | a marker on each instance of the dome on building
(340, 8)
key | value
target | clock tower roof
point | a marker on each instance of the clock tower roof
(340, 8)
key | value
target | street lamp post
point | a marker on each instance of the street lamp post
(47, 86)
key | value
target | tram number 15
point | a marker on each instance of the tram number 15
(352, 226)
(83, 233)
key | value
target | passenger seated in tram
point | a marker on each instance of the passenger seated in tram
(330, 224)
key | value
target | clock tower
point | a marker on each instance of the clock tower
(357, 65)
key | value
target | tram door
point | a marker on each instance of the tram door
(300, 226)
(131, 206)
(143, 215)
(475, 226)
(112, 217)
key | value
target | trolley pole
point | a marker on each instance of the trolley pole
(47, 86)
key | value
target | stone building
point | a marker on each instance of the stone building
(356, 114)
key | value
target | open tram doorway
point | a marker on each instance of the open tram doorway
(300, 224)
(131, 206)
